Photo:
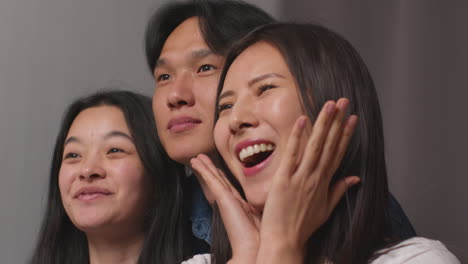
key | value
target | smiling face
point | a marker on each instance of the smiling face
(186, 77)
(258, 105)
(101, 178)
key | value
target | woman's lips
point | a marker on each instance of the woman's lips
(90, 196)
(252, 170)
(91, 193)
(181, 124)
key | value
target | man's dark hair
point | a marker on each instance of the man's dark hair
(222, 22)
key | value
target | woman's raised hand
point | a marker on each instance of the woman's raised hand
(301, 198)
(240, 219)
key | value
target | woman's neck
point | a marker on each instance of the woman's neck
(118, 250)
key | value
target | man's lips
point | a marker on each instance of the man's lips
(182, 123)
(90, 193)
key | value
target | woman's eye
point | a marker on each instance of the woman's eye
(163, 77)
(114, 150)
(224, 107)
(71, 155)
(206, 67)
(265, 88)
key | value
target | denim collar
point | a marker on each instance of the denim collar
(201, 212)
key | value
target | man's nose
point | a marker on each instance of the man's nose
(181, 92)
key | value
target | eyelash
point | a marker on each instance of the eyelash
(163, 77)
(223, 107)
(265, 88)
(71, 155)
(206, 65)
(114, 150)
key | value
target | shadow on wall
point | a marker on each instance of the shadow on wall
(415, 51)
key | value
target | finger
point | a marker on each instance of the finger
(334, 135)
(348, 131)
(229, 185)
(206, 174)
(290, 161)
(316, 140)
(209, 164)
(339, 189)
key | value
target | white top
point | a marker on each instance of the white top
(199, 259)
(416, 250)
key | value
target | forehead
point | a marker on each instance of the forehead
(259, 59)
(97, 120)
(187, 37)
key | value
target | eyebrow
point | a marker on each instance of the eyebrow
(252, 82)
(114, 133)
(196, 55)
(225, 94)
(70, 140)
(263, 77)
(201, 53)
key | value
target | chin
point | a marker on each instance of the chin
(183, 154)
(90, 221)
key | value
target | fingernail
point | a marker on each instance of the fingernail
(354, 181)
(330, 107)
(352, 120)
(302, 122)
(342, 103)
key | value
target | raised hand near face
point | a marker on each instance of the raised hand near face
(301, 198)
(240, 219)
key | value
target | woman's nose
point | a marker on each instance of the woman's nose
(242, 116)
(92, 169)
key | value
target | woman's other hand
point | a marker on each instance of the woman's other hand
(301, 198)
(240, 219)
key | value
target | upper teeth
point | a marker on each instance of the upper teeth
(253, 149)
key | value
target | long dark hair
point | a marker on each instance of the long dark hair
(222, 22)
(327, 67)
(61, 242)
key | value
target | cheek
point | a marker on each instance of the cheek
(129, 175)
(221, 137)
(65, 179)
(206, 92)
(158, 99)
(283, 112)
(158, 110)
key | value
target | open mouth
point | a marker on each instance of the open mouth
(255, 154)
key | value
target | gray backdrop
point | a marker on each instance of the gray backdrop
(52, 51)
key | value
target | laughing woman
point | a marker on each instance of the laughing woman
(114, 195)
(299, 129)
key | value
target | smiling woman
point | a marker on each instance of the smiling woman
(114, 195)
(298, 125)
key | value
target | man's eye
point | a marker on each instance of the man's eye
(163, 77)
(206, 67)
(71, 155)
(224, 107)
(265, 88)
(114, 150)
